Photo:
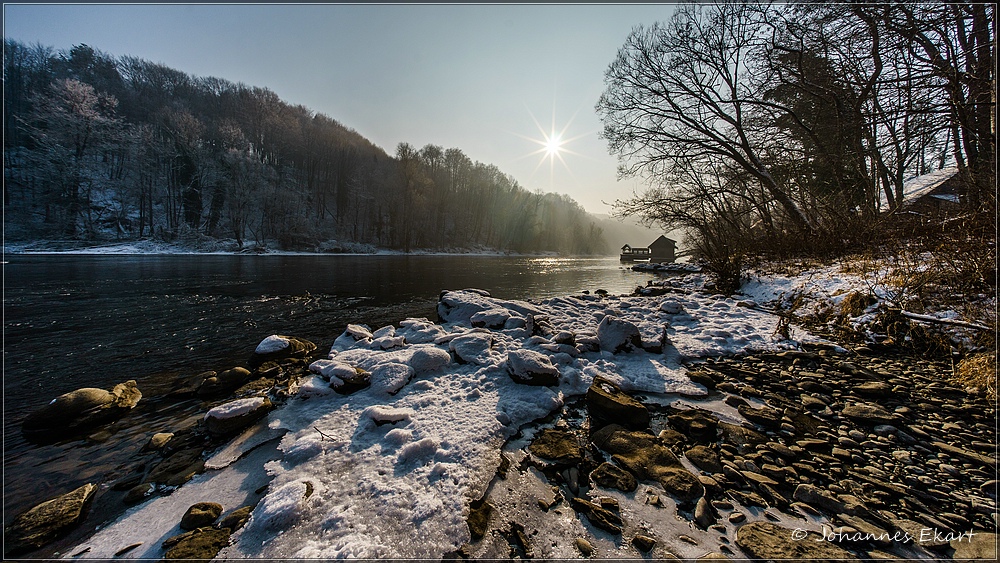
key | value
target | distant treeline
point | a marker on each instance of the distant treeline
(97, 146)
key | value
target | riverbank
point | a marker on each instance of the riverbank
(223, 247)
(487, 435)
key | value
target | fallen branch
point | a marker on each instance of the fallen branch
(930, 319)
(323, 436)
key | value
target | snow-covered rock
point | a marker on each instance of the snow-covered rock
(229, 418)
(617, 335)
(531, 368)
(473, 348)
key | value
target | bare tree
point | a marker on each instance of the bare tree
(685, 91)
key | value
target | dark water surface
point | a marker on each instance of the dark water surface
(74, 321)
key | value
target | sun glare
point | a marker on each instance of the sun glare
(552, 145)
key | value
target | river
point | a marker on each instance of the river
(74, 321)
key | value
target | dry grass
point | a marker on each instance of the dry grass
(855, 303)
(979, 373)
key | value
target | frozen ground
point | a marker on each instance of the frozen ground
(389, 471)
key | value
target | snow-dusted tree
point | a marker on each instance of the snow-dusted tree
(71, 125)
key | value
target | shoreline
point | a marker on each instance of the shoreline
(732, 384)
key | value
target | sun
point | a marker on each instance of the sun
(553, 144)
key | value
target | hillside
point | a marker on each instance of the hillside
(115, 148)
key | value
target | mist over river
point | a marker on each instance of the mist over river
(74, 321)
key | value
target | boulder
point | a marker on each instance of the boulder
(472, 348)
(698, 425)
(531, 368)
(350, 379)
(644, 456)
(617, 335)
(223, 383)
(611, 476)
(229, 418)
(764, 540)
(353, 335)
(201, 514)
(203, 543)
(704, 458)
(490, 318)
(479, 519)
(559, 446)
(818, 498)
(158, 441)
(237, 518)
(607, 402)
(277, 347)
(79, 410)
(47, 521)
(178, 468)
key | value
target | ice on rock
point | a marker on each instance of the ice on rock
(280, 508)
(429, 358)
(271, 344)
(384, 331)
(399, 436)
(618, 335)
(531, 368)
(388, 342)
(390, 377)
(492, 318)
(419, 331)
(671, 307)
(235, 408)
(380, 414)
(352, 336)
(421, 449)
(334, 369)
(460, 306)
(473, 348)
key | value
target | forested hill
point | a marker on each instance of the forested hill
(98, 147)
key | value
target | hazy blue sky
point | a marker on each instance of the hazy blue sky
(474, 77)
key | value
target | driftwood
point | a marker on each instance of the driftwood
(930, 319)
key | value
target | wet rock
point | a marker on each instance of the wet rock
(643, 543)
(203, 543)
(764, 540)
(703, 515)
(201, 514)
(646, 458)
(617, 335)
(607, 402)
(704, 458)
(479, 519)
(696, 424)
(158, 441)
(277, 347)
(598, 515)
(236, 519)
(559, 446)
(223, 383)
(531, 368)
(47, 521)
(178, 468)
(81, 409)
(229, 418)
(139, 493)
(611, 476)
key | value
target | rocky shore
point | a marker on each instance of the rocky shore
(587, 426)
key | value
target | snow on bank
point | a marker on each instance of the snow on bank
(389, 471)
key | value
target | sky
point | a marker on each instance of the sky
(492, 80)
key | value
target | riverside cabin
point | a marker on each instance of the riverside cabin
(660, 250)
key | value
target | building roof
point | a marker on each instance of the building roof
(920, 186)
(661, 240)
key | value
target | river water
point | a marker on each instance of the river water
(74, 321)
